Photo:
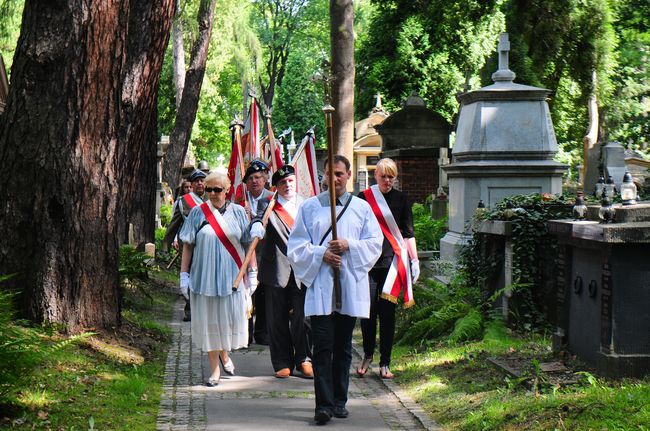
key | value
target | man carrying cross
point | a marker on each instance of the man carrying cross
(314, 256)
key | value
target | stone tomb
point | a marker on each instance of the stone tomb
(415, 137)
(603, 290)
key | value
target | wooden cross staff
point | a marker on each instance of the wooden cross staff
(328, 109)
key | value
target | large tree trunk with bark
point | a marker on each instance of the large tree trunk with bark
(66, 137)
(342, 40)
(186, 113)
(178, 50)
(148, 36)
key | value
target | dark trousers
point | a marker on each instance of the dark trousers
(383, 309)
(285, 323)
(332, 356)
(260, 331)
(187, 311)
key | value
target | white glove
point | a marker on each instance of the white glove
(185, 284)
(257, 230)
(415, 270)
(252, 280)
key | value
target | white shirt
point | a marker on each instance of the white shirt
(360, 228)
(291, 205)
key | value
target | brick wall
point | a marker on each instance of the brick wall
(418, 176)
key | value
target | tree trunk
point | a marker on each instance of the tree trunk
(186, 113)
(179, 55)
(149, 25)
(68, 134)
(342, 40)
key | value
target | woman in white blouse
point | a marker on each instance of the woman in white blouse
(214, 238)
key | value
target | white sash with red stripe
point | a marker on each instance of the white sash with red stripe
(399, 273)
(220, 227)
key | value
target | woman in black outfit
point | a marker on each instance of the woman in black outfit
(382, 304)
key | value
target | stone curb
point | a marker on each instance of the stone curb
(405, 399)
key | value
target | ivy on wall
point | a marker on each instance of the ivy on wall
(534, 252)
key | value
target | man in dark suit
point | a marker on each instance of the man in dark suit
(257, 199)
(284, 297)
(182, 208)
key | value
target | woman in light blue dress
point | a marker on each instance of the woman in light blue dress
(215, 236)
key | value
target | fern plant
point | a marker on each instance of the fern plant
(22, 347)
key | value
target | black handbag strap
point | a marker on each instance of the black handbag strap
(329, 229)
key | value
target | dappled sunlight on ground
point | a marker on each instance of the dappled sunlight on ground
(36, 399)
(119, 353)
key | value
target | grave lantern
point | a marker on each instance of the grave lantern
(606, 212)
(480, 209)
(600, 186)
(610, 187)
(579, 209)
(628, 190)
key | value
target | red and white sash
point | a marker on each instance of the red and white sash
(283, 215)
(189, 200)
(399, 273)
(220, 225)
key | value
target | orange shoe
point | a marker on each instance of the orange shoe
(307, 370)
(284, 373)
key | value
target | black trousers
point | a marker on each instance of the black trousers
(285, 323)
(332, 356)
(383, 309)
(259, 303)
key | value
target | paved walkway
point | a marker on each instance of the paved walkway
(254, 399)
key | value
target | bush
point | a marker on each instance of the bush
(441, 313)
(428, 231)
(165, 214)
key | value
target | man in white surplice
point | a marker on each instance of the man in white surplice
(313, 254)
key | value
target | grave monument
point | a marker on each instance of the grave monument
(415, 137)
(505, 145)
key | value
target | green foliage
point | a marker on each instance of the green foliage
(299, 101)
(427, 47)
(440, 313)
(626, 116)
(428, 231)
(11, 12)
(165, 214)
(560, 45)
(79, 386)
(22, 348)
(468, 327)
(133, 264)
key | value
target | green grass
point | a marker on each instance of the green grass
(462, 391)
(110, 381)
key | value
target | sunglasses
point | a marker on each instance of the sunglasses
(213, 189)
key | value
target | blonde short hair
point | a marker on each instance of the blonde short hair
(387, 166)
(220, 178)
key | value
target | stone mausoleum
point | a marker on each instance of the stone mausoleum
(505, 144)
(416, 138)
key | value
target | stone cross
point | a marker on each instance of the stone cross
(504, 48)
(378, 104)
(504, 74)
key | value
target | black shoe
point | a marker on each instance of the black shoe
(322, 416)
(341, 412)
